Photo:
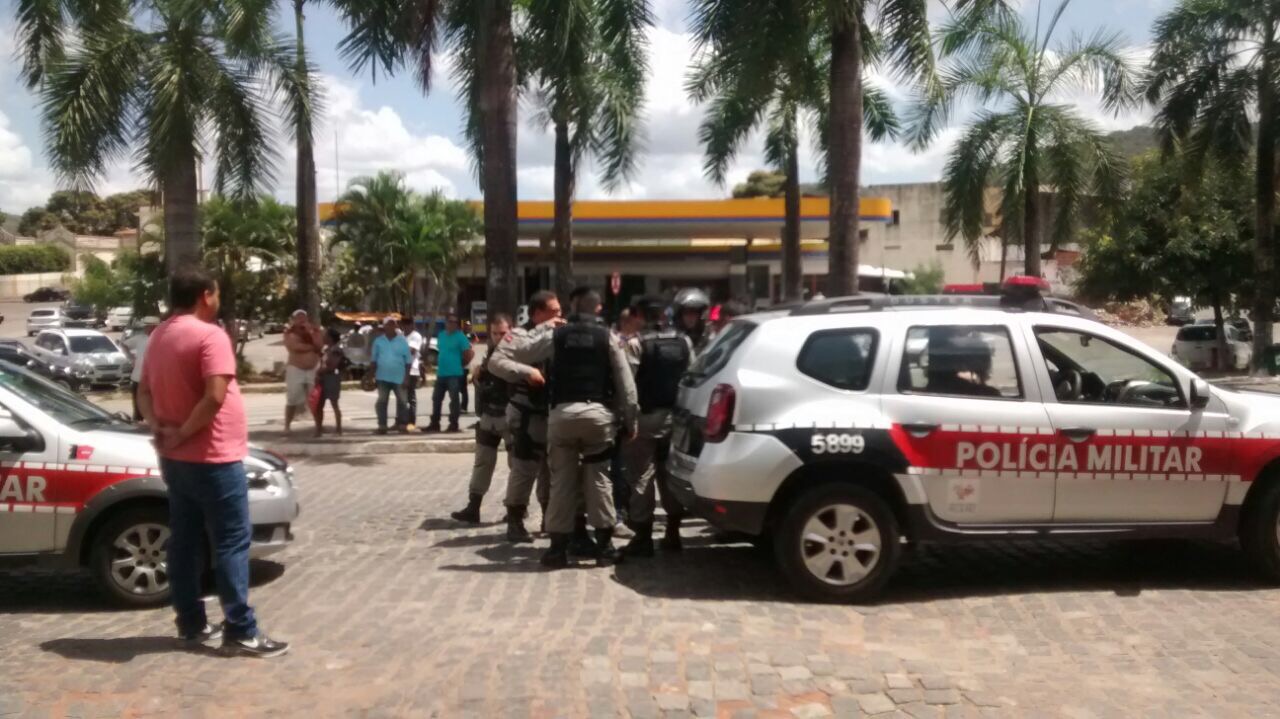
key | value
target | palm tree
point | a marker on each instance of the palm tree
(1021, 139)
(836, 30)
(1213, 75)
(110, 84)
(478, 35)
(438, 239)
(586, 62)
(242, 239)
(780, 83)
(303, 105)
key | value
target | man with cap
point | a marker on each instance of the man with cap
(136, 346)
(589, 388)
(526, 415)
(304, 343)
(660, 356)
(389, 362)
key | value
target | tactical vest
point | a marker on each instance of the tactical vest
(580, 367)
(493, 393)
(533, 398)
(664, 357)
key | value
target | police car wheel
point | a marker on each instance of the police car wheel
(129, 558)
(838, 543)
(1260, 532)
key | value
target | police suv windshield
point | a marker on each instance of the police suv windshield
(64, 406)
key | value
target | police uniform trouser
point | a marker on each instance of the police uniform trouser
(580, 436)
(528, 432)
(490, 432)
(645, 462)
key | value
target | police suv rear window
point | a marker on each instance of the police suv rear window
(841, 358)
(715, 357)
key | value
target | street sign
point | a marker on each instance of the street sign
(480, 317)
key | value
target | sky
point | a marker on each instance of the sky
(387, 123)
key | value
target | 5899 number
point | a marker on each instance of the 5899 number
(837, 443)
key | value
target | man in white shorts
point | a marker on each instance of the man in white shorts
(304, 343)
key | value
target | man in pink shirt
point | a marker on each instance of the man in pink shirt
(190, 399)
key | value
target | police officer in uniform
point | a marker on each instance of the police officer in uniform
(492, 396)
(660, 355)
(590, 378)
(526, 416)
(689, 311)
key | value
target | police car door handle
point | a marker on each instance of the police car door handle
(920, 429)
(1078, 434)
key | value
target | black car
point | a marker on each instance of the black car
(79, 316)
(46, 294)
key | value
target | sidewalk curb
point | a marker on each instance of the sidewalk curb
(397, 445)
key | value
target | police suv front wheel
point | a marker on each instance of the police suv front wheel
(1260, 532)
(838, 543)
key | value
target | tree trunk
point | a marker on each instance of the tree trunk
(1264, 230)
(1004, 256)
(1226, 359)
(845, 134)
(227, 289)
(792, 270)
(181, 213)
(498, 138)
(1031, 212)
(562, 227)
(308, 237)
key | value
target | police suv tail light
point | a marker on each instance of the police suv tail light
(720, 413)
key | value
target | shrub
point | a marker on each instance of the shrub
(26, 259)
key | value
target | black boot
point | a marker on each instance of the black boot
(606, 554)
(516, 533)
(557, 555)
(642, 544)
(671, 540)
(471, 513)
(543, 526)
(581, 545)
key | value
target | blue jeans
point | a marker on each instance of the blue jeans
(385, 389)
(209, 502)
(453, 386)
(408, 412)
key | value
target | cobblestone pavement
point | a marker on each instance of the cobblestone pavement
(395, 611)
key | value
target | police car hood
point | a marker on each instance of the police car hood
(1258, 412)
(131, 446)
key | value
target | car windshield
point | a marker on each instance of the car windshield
(64, 406)
(93, 343)
(42, 313)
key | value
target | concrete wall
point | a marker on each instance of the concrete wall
(13, 287)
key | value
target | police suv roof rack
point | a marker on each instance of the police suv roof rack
(1018, 294)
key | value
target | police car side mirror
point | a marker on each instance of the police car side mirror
(1200, 393)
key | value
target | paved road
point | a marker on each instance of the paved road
(396, 611)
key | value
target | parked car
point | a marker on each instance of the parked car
(817, 432)
(80, 358)
(16, 353)
(1196, 346)
(46, 294)
(79, 315)
(1243, 328)
(118, 318)
(1181, 311)
(44, 319)
(82, 488)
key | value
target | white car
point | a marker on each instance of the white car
(118, 318)
(49, 318)
(82, 488)
(1196, 346)
(828, 432)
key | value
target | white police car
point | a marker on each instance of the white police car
(844, 428)
(80, 487)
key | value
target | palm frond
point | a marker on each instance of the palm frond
(1099, 64)
(969, 170)
(245, 155)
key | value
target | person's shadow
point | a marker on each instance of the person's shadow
(116, 651)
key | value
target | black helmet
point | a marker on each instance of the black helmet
(691, 298)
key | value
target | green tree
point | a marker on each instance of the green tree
(36, 220)
(778, 58)
(395, 237)
(761, 183)
(585, 62)
(156, 77)
(924, 280)
(478, 36)
(1215, 78)
(745, 90)
(1184, 230)
(98, 285)
(1024, 139)
(303, 103)
(247, 244)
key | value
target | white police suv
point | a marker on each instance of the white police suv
(845, 428)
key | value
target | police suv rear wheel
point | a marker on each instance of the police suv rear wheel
(838, 543)
(129, 559)
(1260, 532)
